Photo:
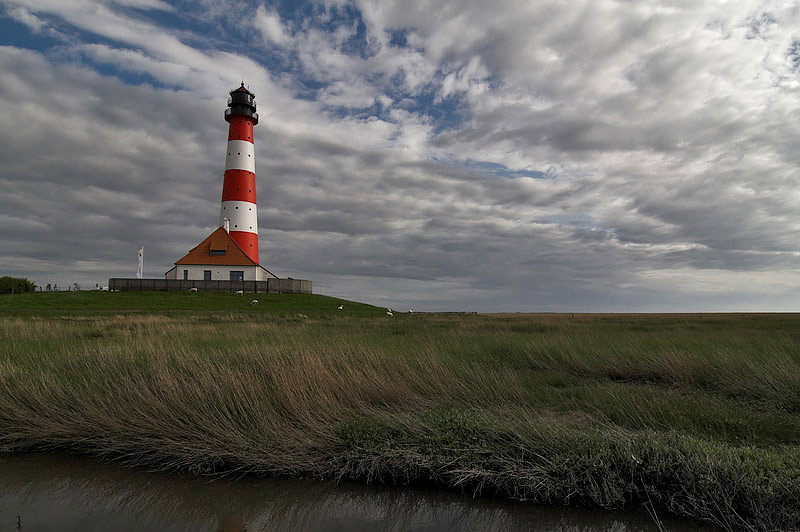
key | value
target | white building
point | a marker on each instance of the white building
(218, 258)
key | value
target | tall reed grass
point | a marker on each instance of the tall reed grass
(696, 415)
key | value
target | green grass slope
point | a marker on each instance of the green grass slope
(88, 303)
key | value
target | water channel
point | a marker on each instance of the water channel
(41, 492)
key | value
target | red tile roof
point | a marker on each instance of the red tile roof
(218, 240)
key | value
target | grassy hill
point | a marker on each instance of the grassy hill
(88, 303)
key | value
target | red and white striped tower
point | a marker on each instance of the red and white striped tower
(239, 184)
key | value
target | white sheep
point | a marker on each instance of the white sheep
(389, 314)
(193, 290)
(340, 307)
(254, 302)
(239, 293)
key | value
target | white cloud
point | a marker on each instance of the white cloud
(20, 14)
(145, 4)
(342, 94)
(467, 78)
(268, 23)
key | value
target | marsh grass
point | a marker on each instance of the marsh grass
(697, 415)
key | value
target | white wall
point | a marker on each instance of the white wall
(218, 273)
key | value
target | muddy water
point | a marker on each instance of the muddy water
(62, 493)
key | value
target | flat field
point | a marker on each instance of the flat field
(697, 415)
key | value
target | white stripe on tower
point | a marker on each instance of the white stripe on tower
(241, 156)
(242, 214)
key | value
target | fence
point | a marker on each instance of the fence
(270, 286)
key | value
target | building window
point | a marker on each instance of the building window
(217, 252)
(206, 275)
(237, 276)
(185, 275)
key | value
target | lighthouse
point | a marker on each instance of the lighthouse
(239, 182)
(230, 253)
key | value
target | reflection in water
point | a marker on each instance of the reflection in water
(54, 492)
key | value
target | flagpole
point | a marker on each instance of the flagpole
(140, 270)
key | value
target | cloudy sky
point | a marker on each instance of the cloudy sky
(590, 155)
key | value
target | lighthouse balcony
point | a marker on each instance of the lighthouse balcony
(241, 111)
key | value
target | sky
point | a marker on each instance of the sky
(504, 156)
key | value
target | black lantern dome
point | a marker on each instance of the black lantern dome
(241, 102)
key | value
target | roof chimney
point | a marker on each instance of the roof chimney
(226, 223)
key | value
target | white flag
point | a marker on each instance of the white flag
(141, 263)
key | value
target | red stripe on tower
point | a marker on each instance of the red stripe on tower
(239, 183)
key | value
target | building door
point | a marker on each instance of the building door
(206, 275)
(237, 276)
(185, 275)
